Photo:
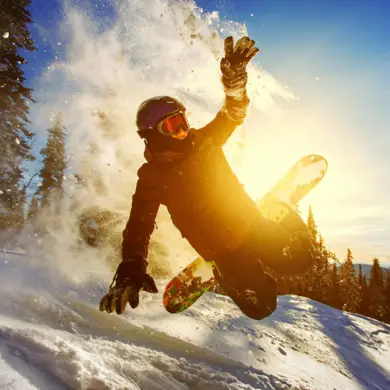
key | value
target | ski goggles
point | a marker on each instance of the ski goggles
(173, 124)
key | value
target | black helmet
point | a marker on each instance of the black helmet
(152, 113)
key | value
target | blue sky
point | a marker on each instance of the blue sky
(344, 46)
(334, 55)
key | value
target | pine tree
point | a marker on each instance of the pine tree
(334, 298)
(328, 274)
(376, 307)
(311, 225)
(311, 277)
(318, 279)
(361, 276)
(350, 291)
(365, 297)
(387, 298)
(52, 172)
(364, 293)
(15, 138)
(323, 274)
(376, 275)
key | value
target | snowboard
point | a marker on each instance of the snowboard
(198, 277)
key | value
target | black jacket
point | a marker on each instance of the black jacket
(206, 201)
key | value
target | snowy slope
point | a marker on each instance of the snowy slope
(53, 337)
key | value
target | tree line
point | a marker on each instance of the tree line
(16, 140)
(24, 195)
(337, 283)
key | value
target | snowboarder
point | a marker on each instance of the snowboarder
(186, 170)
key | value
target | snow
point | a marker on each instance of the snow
(52, 336)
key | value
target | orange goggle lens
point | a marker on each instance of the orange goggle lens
(173, 124)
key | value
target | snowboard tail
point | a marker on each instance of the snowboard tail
(198, 277)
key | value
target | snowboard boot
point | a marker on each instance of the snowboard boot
(250, 288)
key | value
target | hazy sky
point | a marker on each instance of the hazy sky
(334, 56)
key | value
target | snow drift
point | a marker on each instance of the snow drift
(52, 336)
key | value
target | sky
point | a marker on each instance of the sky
(333, 59)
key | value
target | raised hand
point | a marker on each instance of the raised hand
(237, 56)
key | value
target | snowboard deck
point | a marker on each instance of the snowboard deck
(197, 278)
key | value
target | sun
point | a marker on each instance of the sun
(260, 162)
(263, 159)
(259, 173)
(259, 168)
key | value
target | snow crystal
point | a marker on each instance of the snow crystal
(6, 35)
(251, 14)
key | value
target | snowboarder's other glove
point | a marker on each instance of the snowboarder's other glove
(233, 65)
(129, 280)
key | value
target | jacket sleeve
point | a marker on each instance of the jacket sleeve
(141, 222)
(227, 120)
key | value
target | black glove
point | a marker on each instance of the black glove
(233, 65)
(130, 278)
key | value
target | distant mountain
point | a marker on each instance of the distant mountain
(366, 268)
